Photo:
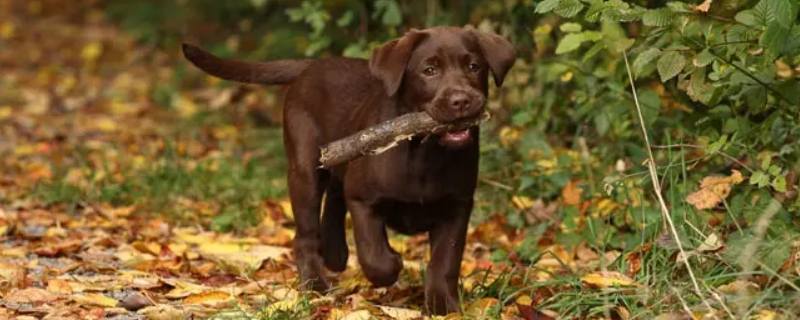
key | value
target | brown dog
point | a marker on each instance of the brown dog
(415, 187)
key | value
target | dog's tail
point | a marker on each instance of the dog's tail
(271, 72)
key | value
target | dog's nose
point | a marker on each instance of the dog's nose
(459, 101)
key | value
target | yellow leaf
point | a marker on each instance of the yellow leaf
(91, 51)
(524, 300)
(240, 259)
(25, 149)
(508, 136)
(95, 299)
(183, 288)
(7, 29)
(162, 312)
(5, 112)
(400, 313)
(764, 314)
(522, 202)
(739, 286)
(287, 209)
(59, 286)
(607, 279)
(209, 298)
(282, 305)
(105, 124)
(185, 106)
(566, 77)
(713, 190)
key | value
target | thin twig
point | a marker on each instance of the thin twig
(727, 156)
(657, 187)
(496, 184)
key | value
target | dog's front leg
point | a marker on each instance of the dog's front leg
(379, 262)
(447, 239)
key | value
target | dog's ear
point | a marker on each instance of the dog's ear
(497, 51)
(388, 61)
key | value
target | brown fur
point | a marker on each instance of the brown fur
(415, 187)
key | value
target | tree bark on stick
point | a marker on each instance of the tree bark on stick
(384, 136)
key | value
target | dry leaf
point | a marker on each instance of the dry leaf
(31, 295)
(94, 299)
(571, 194)
(162, 312)
(713, 190)
(606, 279)
(703, 7)
(739, 286)
(400, 313)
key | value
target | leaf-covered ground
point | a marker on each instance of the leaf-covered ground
(130, 183)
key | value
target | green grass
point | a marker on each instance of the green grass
(225, 179)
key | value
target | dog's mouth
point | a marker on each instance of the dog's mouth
(456, 136)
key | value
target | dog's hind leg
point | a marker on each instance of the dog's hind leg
(306, 187)
(334, 245)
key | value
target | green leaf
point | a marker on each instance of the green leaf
(670, 65)
(569, 43)
(651, 105)
(774, 170)
(775, 38)
(644, 58)
(345, 19)
(766, 161)
(569, 8)
(747, 17)
(602, 121)
(704, 58)
(783, 12)
(546, 6)
(779, 184)
(391, 12)
(759, 178)
(570, 27)
(657, 17)
(591, 35)
(594, 50)
(680, 7)
(716, 146)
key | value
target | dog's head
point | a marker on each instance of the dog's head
(443, 71)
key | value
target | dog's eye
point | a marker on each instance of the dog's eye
(429, 71)
(474, 67)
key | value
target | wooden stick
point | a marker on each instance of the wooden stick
(384, 136)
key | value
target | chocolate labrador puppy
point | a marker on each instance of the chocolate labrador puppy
(419, 186)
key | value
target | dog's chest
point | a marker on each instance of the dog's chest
(422, 176)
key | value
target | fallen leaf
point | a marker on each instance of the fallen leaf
(400, 313)
(213, 298)
(162, 312)
(713, 190)
(12, 276)
(59, 286)
(606, 279)
(571, 194)
(31, 295)
(241, 259)
(357, 315)
(94, 299)
(740, 286)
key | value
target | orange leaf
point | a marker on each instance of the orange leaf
(713, 190)
(571, 194)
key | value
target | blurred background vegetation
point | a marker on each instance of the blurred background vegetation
(563, 159)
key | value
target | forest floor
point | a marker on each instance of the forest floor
(130, 192)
